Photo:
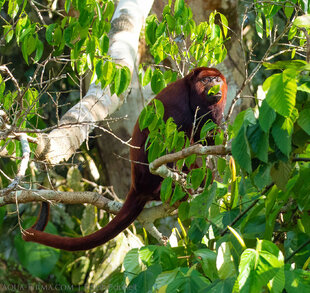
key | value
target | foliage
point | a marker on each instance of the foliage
(245, 231)
(262, 191)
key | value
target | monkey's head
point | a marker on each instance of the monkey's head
(208, 92)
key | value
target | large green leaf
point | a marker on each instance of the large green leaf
(297, 281)
(166, 189)
(259, 141)
(280, 173)
(258, 267)
(303, 21)
(282, 134)
(165, 256)
(240, 149)
(144, 281)
(207, 258)
(266, 116)
(193, 281)
(304, 120)
(132, 264)
(281, 91)
(38, 259)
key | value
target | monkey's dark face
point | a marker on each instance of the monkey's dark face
(208, 87)
(208, 91)
(212, 88)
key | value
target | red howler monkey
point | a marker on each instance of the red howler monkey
(180, 100)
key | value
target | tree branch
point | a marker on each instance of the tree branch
(158, 166)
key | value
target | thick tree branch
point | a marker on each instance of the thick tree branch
(126, 24)
(146, 218)
(158, 166)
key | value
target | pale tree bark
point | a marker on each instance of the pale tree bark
(79, 121)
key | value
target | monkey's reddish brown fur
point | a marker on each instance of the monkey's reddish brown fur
(180, 100)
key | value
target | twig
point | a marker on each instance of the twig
(37, 11)
(299, 248)
(308, 44)
(224, 231)
(6, 70)
(22, 167)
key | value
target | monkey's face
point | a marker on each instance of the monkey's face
(212, 88)
(208, 91)
(208, 87)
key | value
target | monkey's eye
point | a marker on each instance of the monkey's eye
(208, 79)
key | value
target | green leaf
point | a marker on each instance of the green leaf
(207, 259)
(68, 35)
(183, 211)
(197, 176)
(296, 65)
(122, 80)
(145, 280)
(132, 263)
(104, 44)
(163, 255)
(67, 5)
(86, 17)
(266, 116)
(2, 214)
(189, 161)
(89, 220)
(304, 120)
(166, 189)
(2, 3)
(256, 269)
(214, 90)
(154, 151)
(259, 25)
(302, 21)
(224, 261)
(39, 51)
(294, 277)
(49, 33)
(109, 10)
(108, 72)
(194, 282)
(263, 178)
(259, 141)
(160, 109)
(241, 150)
(158, 81)
(8, 32)
(224, 24)
(13, 8)
(281, 132)
(178, 7)
(201, 204)
(146, 117)
(38, 259)
(147, 76)
(281, 92)
(178, 194)
(151, 26)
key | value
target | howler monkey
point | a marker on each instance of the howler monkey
(181, 100)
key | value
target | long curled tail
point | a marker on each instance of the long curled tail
(132, 207)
